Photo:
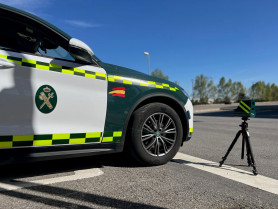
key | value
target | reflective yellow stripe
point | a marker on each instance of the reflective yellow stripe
(29, 61)
(93, 135)
(42, 142)
(132, 81)
(20, 138)
(54, 67)
(151, 82)
(53, 139)
(117, 133)
(6, 144)
(111, 79)
(191, 130)
(90, 76)
(100, 74)
(107, 139)
(159, 86)
(60, 136)
(245, 105)
(43, 67)
(127, 82)
(79, 70)
(3, 56)
(67, 71)
(144, 84)
(243, 108)
(77, 141)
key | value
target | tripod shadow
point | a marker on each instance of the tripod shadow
(213, 165)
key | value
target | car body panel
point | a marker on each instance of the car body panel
(138, 87)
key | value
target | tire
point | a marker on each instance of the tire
(155, 135)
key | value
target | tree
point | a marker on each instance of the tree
(274, 92)
(267, 93)
(228, 91)
(159, 74)
(224, 90)
(212, 90)
(221, 88)
(203, 88)
(257, 90)
(238, 91)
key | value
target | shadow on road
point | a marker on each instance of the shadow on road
(262, 112)
(51, 167)
(210, 165)
(71, 194)
(17, 172)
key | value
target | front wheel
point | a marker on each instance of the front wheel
(156, 134)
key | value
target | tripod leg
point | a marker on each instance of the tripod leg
(230, 148)
(242, 148)
(250, 153)
(249, 162)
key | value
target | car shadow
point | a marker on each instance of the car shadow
(15, 173)
(23, 170)
(63, 194)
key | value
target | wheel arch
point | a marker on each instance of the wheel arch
(161, 98)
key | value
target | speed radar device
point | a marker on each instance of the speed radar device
(246, 109)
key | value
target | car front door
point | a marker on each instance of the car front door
(49, 100)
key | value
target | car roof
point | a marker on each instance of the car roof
(35, 18)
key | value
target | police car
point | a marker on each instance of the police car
(57, 99)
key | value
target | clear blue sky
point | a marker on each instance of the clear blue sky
(237, 39)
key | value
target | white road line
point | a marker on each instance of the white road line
(79, 174)
(245, 177)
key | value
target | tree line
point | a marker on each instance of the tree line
(227, 91)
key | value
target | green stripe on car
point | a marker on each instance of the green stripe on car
(58, 139)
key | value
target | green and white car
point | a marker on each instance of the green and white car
(57, 99)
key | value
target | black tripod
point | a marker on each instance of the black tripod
(245, 139)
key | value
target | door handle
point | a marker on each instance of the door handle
(4, 64)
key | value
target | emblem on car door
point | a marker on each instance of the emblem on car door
(46, 99)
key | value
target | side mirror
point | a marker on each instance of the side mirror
(80, 51)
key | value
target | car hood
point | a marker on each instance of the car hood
(126, 72)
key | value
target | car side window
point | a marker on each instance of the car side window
(53, 50)
(24, 37)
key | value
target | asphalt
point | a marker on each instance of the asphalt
(125, 184)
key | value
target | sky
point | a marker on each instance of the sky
(237, 39)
